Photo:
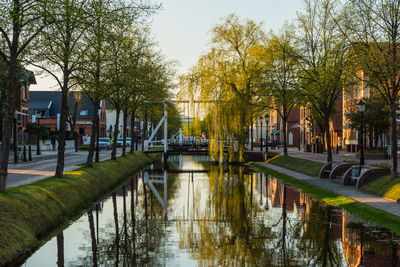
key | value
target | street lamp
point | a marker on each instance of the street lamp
(361, 109)
(266, 133)
(261, 132)
(39, 115)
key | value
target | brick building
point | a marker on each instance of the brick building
(50, 103)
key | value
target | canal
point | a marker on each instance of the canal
(199, 214)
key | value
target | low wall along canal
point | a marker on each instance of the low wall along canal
(197, 214)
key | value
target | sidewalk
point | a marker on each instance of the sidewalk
(321, 157)
(45, 154)
(347, 191)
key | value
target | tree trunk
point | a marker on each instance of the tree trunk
(251, 133)
(393, 139)
(133, 132)
(75, 141)
(62, 132)
(89, 160)
(144, 134)
(73, 126)
(7, 122)
(370, 139)
(114, 148)
(328, 140)
(140, 130)
(125, 122)
(241, 137)
(284, 128)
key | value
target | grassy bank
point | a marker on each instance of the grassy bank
(30, 212)
(366, 212)
(384, 186)
(305, 166)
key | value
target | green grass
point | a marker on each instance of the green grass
(366, 212)
(28, 213)
(305, 166)
(384, 186)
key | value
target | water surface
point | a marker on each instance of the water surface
(207, 216)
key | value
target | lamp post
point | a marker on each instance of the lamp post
(261, 132)
(39, 114)
(266, 133)
(361, 109)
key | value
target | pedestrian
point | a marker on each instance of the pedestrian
(53, 141)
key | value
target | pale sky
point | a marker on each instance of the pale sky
(182, 28)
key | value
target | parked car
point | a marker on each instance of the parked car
(128, 141)
(120, 141)
(269, 143)
(104, 142)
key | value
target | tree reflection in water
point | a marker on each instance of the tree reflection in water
(225, 218)
(60, 249)
(234, 230)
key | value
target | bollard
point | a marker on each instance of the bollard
(30, 153)
(24, 159)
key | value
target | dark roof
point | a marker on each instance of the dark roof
(42, 99)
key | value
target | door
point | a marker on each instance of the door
(290, 138)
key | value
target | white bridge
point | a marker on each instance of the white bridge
(176, 140)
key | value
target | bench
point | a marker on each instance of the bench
(356, 173)
(327, 169)
(334, 164)
(353, 174)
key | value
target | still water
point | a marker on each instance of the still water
(197, 214)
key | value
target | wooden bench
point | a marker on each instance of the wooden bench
(327, 169)
(353, 174)
(356, 173)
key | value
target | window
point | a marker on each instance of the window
(84, 112)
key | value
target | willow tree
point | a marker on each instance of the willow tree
(322, 56)
(373, 28)
(226, 77)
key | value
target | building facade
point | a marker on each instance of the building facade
(49, 103)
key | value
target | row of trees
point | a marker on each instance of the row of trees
(332, 46)
(98, 47)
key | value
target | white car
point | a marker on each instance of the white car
(104, 142)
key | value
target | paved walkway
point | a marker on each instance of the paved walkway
(347, 191)
(44, 165)
(321, 157)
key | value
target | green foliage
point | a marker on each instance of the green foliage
(174, 121)
(376, 116)
(29, 212)
(322, 53)
(32, 129)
